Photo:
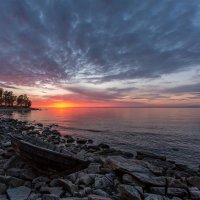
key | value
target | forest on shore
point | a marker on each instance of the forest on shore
(9, 99)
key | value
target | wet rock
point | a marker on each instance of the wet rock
(100, 193)
(2, 171)
(103, 182)
(50, 197)
(158, 190)
(103, 146)
(54, 183)
(155, 197)
(3, 197)
(21, 173)
(81, 141)
(58, 191)
(143, 154)
(93, 168)
(194, 193)
(172, 182)
(7, 144)
(128, 179)
(38, 185)
(129, 192)
(34, 196)
(155, 169)
(70, 140)
(150, 180)
(179, 192)
(97, 197)
(13, 182)
(194, 181)
(68, 185)
(12, 163)
(72, 177)
(3, 188)
(87, 190)
(40, 179)
(131, 165)
(19, 193)
(86, 179)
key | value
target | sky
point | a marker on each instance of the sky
(127, 53)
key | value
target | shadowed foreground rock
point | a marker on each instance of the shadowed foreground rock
(111, 175)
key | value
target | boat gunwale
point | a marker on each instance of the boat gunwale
(55, 153)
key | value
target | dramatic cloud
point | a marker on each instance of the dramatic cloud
(109, 40)
(193, 88)
(97, 42)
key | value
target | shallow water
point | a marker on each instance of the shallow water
(174, 132)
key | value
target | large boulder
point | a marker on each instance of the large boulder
(119, 163)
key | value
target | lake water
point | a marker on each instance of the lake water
(174, 132)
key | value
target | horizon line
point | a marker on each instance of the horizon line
(123, 107)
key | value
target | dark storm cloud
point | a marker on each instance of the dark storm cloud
(96, 40)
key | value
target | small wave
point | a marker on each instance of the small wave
(82, 129)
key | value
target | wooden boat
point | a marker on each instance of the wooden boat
(46, 157)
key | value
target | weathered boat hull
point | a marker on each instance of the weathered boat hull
(47, 160)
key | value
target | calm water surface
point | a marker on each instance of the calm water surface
(174, 132)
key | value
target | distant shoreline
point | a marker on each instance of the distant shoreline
(18, 109)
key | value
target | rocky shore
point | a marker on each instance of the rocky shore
(112, 174)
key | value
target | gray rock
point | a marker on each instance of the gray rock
(34, 196)
(13, 182)
(176, 198)
(97, 197)
(149, 179)
(179, 192)
(155, 197)
(12, 162)
(19, 193)
(58, 191)
(21, 173)
(93, 168)
(103, 182)
(7, 144)
(128, 179)
(38, 185)
(194, 181)
(72, 177)
(194, 193)
(54, 183)
(86, 179)
(50, 197)
(3, 197)
(3, 188)
(68, 185)
(129, 192)
(100, 193)
(40, 179)
(2, 172)
(74, 198)
(172, 182)
(144, 154)
(126, 165)
(158, 190)
(87, 190)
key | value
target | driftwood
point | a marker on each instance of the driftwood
(45, 157)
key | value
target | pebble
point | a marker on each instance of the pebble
(112, 174)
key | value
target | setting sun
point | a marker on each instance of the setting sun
(62, 105)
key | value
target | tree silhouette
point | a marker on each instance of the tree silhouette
(8, 99)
